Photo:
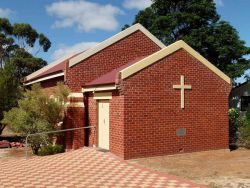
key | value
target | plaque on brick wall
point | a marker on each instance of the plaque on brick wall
(181, 132)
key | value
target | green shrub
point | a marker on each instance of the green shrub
(239, 130)
(50, 150)
(244, 135)
(248, 115)
(243, 130)
(234, 123)
(233, 114)
(36, 113)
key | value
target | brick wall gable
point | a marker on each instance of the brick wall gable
(135, 45)
(153, 114)
(49, 86)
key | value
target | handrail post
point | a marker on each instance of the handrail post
(26, 146)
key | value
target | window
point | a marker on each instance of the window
(245, 101)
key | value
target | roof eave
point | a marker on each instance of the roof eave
(99, 88)
(44, 78)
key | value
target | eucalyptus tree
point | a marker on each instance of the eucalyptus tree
(17, 41)
(197, 23)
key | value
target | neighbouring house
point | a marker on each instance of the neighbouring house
(144, 99)
(240, 97)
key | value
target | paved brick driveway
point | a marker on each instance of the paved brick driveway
(82, 168)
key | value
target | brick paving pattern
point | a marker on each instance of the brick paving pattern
(82, 168)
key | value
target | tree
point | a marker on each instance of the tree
(25, 63)
(19, 35)
(9, 91)
(37, 112)
(198, 23)
(16, 61)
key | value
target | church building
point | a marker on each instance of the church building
(140, 97)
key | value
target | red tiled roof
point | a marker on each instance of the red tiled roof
(110, 77)
(60, 67)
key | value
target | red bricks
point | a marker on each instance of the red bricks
(93, 120)
(117, 121)
(145, 112)
(135, 45)
(50, 85)
(152, 111)
(74, 119)
(114, 56)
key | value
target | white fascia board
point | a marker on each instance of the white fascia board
(49, 66)
(100, 88)
(167, 51)
(44, 78)
(103, 96)
(75, 104)
(75, 95)
(77, 59)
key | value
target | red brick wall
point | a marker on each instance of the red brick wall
(92, 110)
(116, 123)
(114, 56)
(74, 116)
(74, 119)
(50, 85)
(152, 110)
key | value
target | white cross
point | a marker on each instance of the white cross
(182, 87)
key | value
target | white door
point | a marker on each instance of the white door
(103, 124)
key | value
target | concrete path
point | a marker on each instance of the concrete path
(82, 168)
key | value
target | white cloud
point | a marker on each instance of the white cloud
(137, 4)
(219, 2)
(85, 15)
(65, 50)
(5, 12)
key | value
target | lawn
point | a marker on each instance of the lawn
(220, 168)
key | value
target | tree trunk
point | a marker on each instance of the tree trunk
(1, 128)
(233, 135)
(35, 149)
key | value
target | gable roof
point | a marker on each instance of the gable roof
(46, 68)
(55, 68)
(110, 77)
(112, 40)
(167, 51)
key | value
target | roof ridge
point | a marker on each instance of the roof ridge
(104, 44)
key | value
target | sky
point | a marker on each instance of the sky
(75, 25)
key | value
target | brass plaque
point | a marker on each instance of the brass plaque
(181, 132)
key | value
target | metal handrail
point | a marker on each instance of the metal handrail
(48, 132)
